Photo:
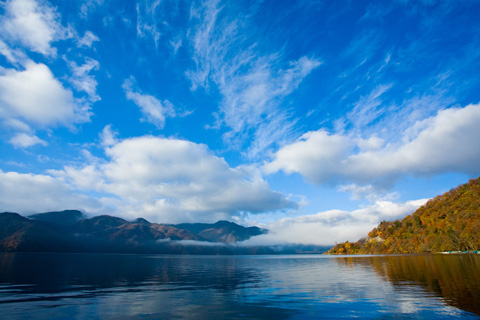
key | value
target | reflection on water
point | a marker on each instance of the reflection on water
(455, 278)
(103, 286)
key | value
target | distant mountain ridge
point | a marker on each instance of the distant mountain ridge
(71, 231)
(222, 231)
(65, 217)
(449, 222)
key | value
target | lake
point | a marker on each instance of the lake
(113, 286)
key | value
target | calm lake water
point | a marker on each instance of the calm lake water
(109, 286)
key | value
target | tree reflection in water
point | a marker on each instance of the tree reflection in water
(454, 278)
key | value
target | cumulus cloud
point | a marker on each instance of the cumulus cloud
(108, 136)
(35, 96)
(170, 180)
(31, 97)
(327, 228)
(44, 193)
(446, 142)
(24, 140)
(154, 110)
(314, 156)
(371, 143)
(33, 25)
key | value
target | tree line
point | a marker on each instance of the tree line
(449, 222)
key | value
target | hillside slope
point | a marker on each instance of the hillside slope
(18, 233)
(70, 231)
(450, 222)
(221, 231)
(64, 218)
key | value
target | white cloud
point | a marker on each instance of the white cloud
(315, 155)
(34, 96)
(44, 193)
(34, 25)
(369, 192)
(372, 143)
(447, 142)
(24, 140)
(252, 84)
(196, 243)
(154, 110)
(146, 21)
(251, 101)
(17, 125)
(108, 137)
(368, 108)
(170, 180)
(87, 40)
(14, 56)
(176, 45)
(329, 227)
(83, 81)
(88, 6)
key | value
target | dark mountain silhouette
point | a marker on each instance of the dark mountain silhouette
(222, 231)
(450, 222)
(70, 231)
(141, 221)
(18, 233)
(66, 217)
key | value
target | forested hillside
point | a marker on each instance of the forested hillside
(450, 222)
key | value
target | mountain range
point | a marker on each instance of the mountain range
(71, 231)
(449, 222)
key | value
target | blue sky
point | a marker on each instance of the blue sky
(315, 119)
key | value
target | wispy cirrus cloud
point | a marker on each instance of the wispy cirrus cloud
(146, 20)
(88, 6)
(252, 84)
(371, 62)
(368, 108)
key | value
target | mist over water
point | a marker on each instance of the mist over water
(109, 286)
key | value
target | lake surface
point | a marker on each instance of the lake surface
(109, 286)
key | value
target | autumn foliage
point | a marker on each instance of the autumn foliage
(450, 222)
